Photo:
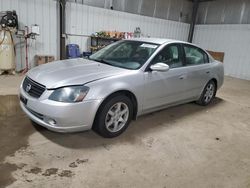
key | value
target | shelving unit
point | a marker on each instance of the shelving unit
(98, 43)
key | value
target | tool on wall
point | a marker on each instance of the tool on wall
(28, 33)
(9, 19)
(8, 26)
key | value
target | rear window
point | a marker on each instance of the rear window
(195, 56)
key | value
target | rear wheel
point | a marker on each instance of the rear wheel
(114, 116)
(208, 93)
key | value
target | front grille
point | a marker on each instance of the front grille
(33, 88)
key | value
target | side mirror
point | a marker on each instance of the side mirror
(162, 67)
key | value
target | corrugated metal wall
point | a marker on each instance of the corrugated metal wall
(42, 13)
(176, 10)
(224, 12)
(234, 40)
(85, 20)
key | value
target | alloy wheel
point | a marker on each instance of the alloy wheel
(117, 117)
(209, 93)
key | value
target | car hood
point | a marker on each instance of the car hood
(72, 72)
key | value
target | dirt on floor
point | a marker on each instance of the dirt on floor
(184, 146)
(15, 130)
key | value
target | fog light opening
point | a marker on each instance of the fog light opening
(50, 121)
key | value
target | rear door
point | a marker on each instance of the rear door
(197, 70)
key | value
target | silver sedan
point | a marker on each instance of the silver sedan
(117, 84)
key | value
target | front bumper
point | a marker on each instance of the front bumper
(69, 117)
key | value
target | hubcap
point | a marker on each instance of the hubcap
(209, 93)
(117, 117)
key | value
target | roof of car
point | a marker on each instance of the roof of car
(155, 40)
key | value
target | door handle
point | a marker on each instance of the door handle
(181, 77)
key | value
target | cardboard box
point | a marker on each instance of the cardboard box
(217, 55)
(42, 59)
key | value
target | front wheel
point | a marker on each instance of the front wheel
(114, 116)
(208, 93)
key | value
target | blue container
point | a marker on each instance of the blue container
(73, 51)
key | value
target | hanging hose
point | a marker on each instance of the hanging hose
(1, 42)
(12, 40)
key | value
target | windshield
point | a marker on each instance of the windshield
(125, 54)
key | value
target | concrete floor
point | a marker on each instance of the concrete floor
(185, 146)
(9, 85)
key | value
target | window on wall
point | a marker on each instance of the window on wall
(195, 56)
(170, 55)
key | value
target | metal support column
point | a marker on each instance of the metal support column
(62, 4)
(193, 21)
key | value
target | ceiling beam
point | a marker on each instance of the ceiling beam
(201, 1)
(193, 21)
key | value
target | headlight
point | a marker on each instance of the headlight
(69, 94)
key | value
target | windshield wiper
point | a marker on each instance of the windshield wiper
(103, 61)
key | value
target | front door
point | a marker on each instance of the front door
(162, 88)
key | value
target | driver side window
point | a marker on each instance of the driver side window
(169, 55)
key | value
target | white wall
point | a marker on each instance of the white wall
(42, 13)
(85, 20)
(234, 40)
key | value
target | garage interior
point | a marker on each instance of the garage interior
(183, 146)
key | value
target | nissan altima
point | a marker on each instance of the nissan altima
(117, 84)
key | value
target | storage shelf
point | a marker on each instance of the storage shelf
(98, 43)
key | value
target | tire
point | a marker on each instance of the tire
(208, 94)
(114, 116)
